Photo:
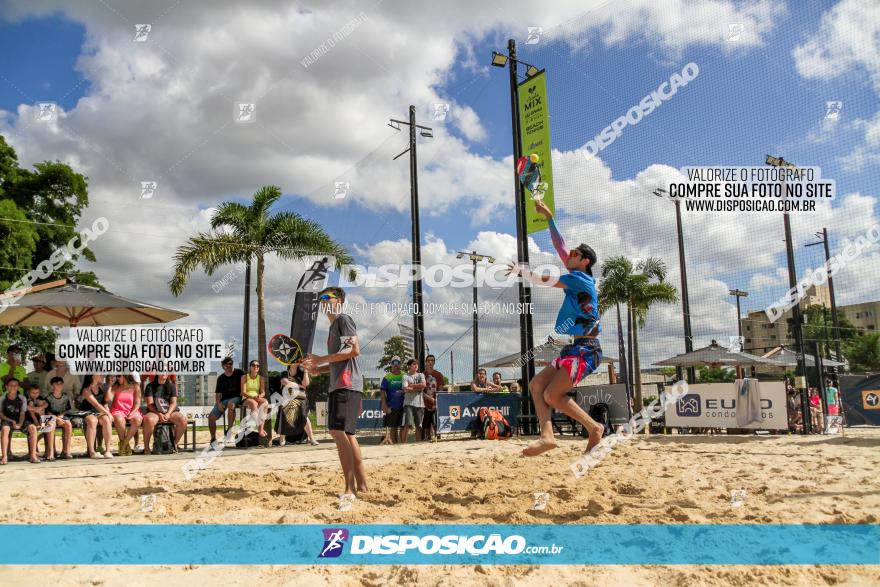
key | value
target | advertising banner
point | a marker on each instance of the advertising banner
(534, 125)
(860, 396)
(197, 413)
(613, 395)
(305, 305)
(457, 412)
(714, 405)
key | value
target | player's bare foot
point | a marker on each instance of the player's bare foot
(538, 447)
(595, 437)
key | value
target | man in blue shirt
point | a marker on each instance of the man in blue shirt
(578, 318)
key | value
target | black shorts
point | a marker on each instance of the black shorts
(428, 421)
(394, 418)
(343, 410)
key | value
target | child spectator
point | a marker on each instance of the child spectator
(36, 409)
(13, 409)
(58, 404)
(413, 403)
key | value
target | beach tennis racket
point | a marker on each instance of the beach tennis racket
(284, 349)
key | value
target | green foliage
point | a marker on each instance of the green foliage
(395, 345)
(247, 233)
(39, 212)
(863, 352)
(318, 388)
(639, 287)
(715, 374)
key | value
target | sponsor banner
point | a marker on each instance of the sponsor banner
(614, 395)
(715, 405)
(197, 413)
(457, 544)
(372, 417)
(305, 305)
(457, 412)
(860, 396)
(534, 124)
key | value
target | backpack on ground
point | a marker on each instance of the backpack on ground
(163, 440)
(494, 425)
(601, 414)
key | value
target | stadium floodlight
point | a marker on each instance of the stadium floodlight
(499, 59)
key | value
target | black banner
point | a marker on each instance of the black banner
(305, 305)
(860, 395)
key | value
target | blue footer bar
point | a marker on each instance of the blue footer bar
(676, 544)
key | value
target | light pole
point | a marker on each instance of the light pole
(526, 340)
(797, 320)
(739, 294)
(475, 258)
(823, 240)
(685, 300)
(418, 315)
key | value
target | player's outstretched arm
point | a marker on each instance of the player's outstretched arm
(555, 235)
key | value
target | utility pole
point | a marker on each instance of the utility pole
(797, 317)
(823, 240)
(475, 258)
(685, 298)
(245, 335)
(739, 294)
(418, 314)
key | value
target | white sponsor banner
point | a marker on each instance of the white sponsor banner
(197, 413)
(714, 405)
(321, 413)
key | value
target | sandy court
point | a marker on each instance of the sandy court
(671, 479)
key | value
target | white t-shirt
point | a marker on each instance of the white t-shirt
(413, 398)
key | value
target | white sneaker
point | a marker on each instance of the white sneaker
(97, 455)
(282, 441)
(314, 442)
(108, 455)
(139, 448)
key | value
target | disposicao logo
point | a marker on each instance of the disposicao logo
(334, 541)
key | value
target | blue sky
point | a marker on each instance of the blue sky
(752, 97)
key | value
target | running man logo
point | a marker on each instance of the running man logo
(871, 399)
(454, 413)
(689, 405)
(334, 541)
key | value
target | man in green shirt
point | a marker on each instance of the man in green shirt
(12, 368)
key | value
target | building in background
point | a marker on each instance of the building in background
(408, 335)
(762, 336)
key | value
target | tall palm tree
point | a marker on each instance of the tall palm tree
(240, 234)
(639, 287)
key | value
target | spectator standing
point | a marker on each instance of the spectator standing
(435, 382)
(413, 402)
(832, 397)
(38, 375)
(72, 384)
(391, 390)
(12, 368)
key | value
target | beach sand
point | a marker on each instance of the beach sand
(662, 479)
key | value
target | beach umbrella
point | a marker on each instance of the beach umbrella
(784, 358)
(72, 304)
(714, 355)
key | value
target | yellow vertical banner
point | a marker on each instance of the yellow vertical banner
(534, 125)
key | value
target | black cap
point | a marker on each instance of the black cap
(587, 252)
(13, 348)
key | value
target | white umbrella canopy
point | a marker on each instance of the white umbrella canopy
(542, 355)
(714, 355)
(73, 305)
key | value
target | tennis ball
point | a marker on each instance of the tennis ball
(534, 157)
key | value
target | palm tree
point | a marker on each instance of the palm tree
(242, 233)
(639, 287)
